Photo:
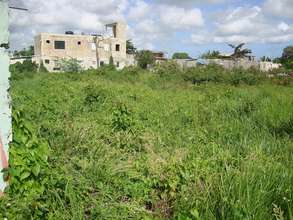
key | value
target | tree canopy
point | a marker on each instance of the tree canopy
(180, 55)
(211, 54)
(25, 52)
(145, 58)
(287, 58)
(288, 53)
(130, 48)
(239, 52)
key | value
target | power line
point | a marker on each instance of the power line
(17, 8)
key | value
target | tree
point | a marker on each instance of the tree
(211, 54)
(25, 52)
(287, 58)
(145, 58)
(288, 53)
(130, 49)
(70, 65)
(26, 67)
(239, 52)
(265, 59)
(180, 55)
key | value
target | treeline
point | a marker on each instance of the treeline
(166, 71)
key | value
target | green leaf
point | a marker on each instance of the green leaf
(24, 175)
(36, 170)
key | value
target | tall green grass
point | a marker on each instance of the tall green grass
(132, 145)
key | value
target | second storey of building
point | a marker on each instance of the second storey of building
(65, 46)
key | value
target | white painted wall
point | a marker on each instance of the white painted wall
(5, 111)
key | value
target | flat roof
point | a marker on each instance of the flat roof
(67, 35)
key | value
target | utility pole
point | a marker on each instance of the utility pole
(5, 110)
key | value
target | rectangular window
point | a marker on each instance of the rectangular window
(59, 45)
(102, 63)
(56, 68)
(117, 47)
(117, 64)
(47, 61)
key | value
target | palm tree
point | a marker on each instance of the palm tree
(239, 52)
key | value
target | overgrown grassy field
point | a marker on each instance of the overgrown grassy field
(145, 146)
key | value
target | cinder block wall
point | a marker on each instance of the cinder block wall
(5, 112)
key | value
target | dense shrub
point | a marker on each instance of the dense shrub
(70, 65)
(28, 161)
(131, 70)
(94, 96)
(217, 74)
(145, 58)
(27, 69)
(122, 119)
(167, 68)
(203, 74)
(240, 76)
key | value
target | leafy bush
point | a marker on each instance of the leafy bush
(122, 118)
(70, 65)
(145, 58)
(217, 74)
(282, 80)
(167, 68)
(131, 70)
(95, 96)
(240, 76)
(27, 69)
(28, 161)
(203, 74)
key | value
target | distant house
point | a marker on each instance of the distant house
(186, 63)
(159, 56)
(245, 63)
(92, 51)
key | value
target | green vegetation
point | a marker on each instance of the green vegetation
(181, 55)
(239, 52)
(286, 59)
(70, 65)
(130, 48)
(25, 52)
(215, 54)
(202, 143)
(145, 58)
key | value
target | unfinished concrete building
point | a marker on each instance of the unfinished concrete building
(92, 51)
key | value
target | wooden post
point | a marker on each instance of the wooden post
(5, 111)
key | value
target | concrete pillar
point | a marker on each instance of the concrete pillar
(5, 111)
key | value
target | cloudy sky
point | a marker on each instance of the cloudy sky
(193, 26)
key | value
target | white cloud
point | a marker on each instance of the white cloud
(283, 27)
(154, 23)
(187, 3)
(139, 10)
(180, 18)
(60, 15)
(279, 8)
(248, 25)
